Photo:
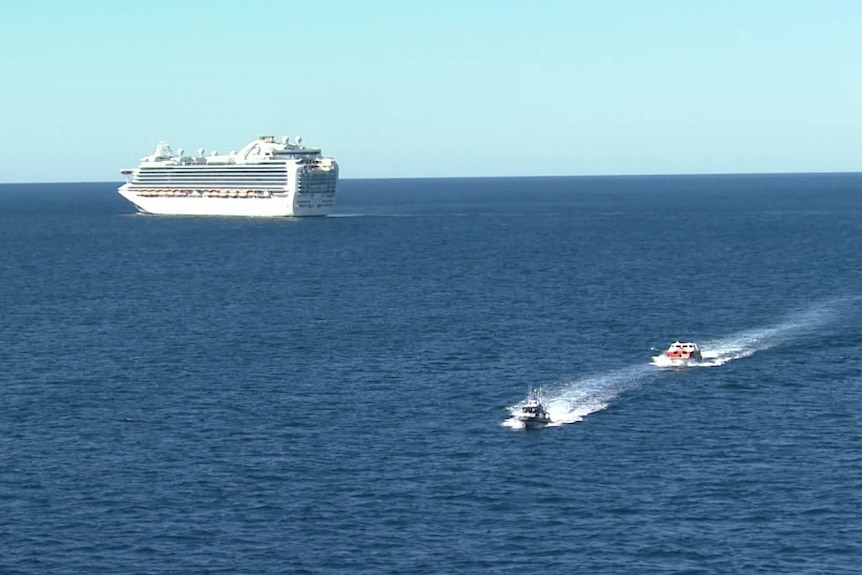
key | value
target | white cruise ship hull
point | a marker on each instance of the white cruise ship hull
(273, 206)
(264, 179)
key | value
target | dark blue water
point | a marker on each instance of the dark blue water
(192, 395)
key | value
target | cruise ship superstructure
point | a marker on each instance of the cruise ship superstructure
(265, 178)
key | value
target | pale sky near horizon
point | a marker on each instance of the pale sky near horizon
(436, 89)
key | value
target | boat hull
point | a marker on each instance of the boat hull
(680, 362)
(533, 422)
(275, 205)
(681, 354)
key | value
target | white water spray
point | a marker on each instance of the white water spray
(571, 401)
(720, 351)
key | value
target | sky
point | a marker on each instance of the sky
(443, 88)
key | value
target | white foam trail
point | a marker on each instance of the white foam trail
(513, 423)
(571, 401)
(718, 352)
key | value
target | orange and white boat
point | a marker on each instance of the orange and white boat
(682, 353)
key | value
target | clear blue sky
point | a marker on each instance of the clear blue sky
(436, 88)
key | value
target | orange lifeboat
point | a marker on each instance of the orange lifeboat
(683, 351)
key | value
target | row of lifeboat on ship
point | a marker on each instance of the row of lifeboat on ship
(205, 193)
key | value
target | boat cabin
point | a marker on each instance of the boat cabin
(683, 350)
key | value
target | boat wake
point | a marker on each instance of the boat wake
(721, 351)
(718, 352)
(572, 401)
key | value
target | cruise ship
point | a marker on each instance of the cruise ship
(266, 178)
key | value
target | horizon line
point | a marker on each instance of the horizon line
(487, 177)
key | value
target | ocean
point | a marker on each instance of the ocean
(333, 395)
